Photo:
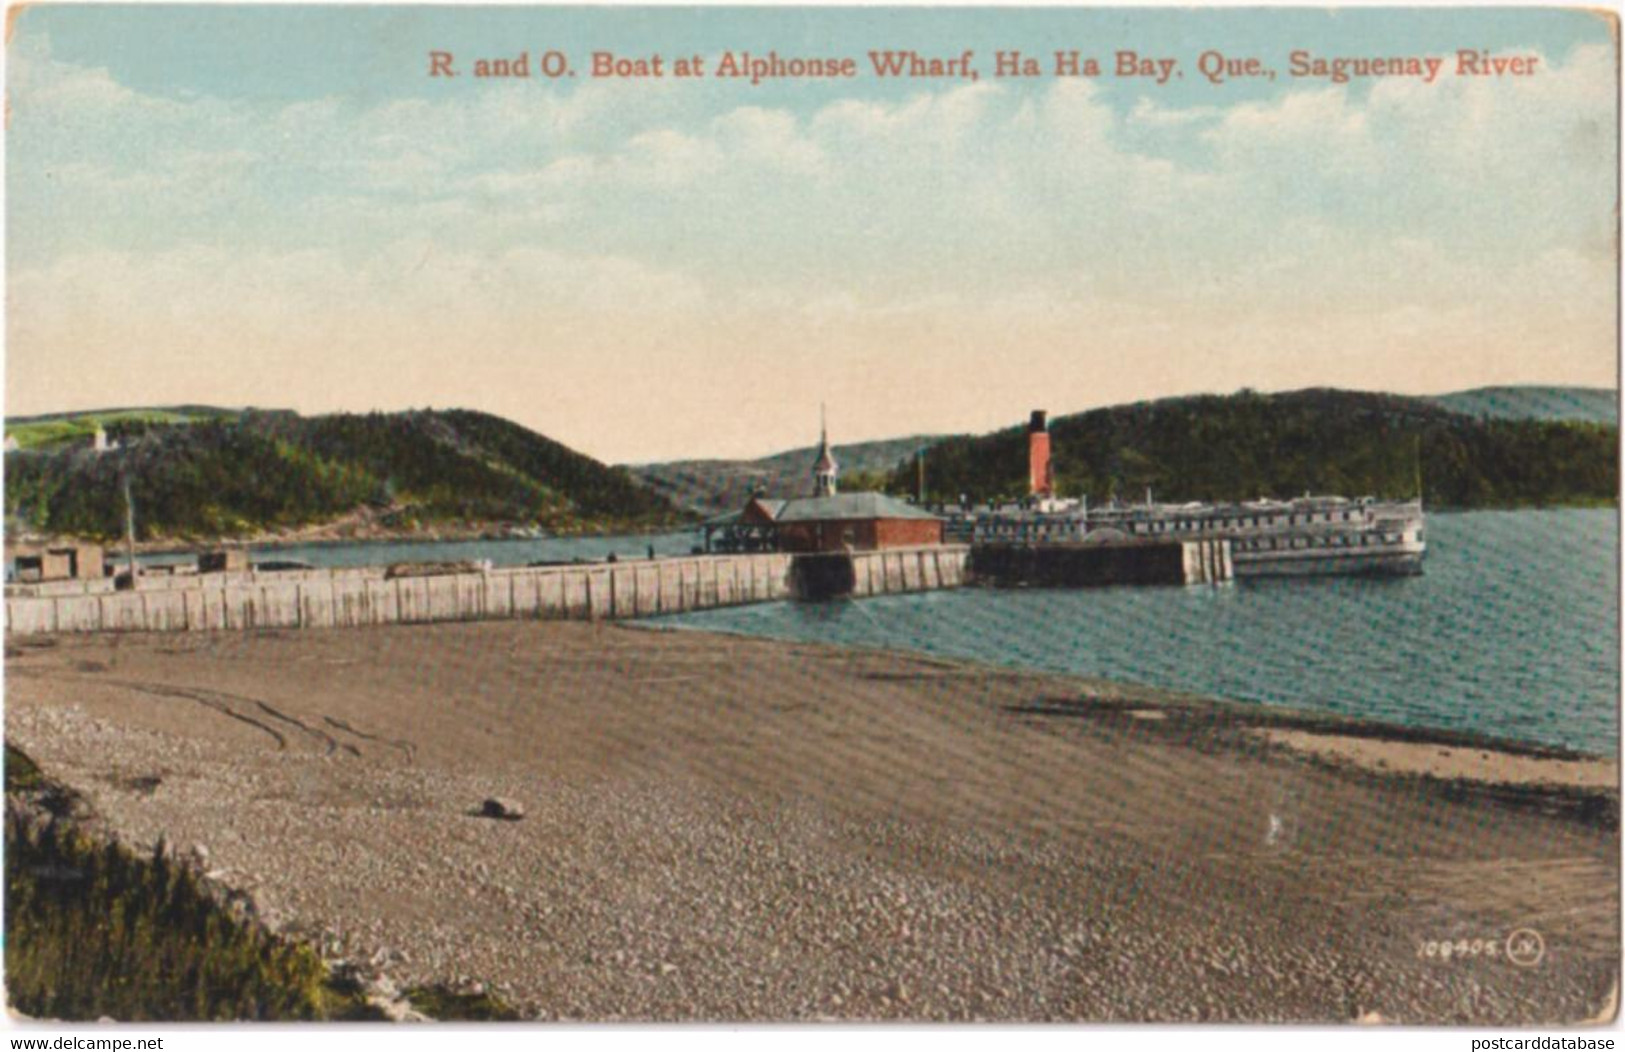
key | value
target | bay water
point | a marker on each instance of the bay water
(1512, 630)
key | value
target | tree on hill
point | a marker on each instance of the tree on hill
(230, 477)
(1247, 445)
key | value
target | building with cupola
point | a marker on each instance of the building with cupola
(826, 521)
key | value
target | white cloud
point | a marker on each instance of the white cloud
(1326, 235)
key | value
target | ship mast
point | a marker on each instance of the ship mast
(1417, 460)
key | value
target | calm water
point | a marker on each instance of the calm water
(515, 552)
(1513, 630)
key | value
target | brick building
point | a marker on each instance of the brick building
(828, 521)
(854, 522)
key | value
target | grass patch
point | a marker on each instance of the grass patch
(37, 434)
(93, 929)
(22, 774)
(441, 1002)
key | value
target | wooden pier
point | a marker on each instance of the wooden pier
(345, 598)
(590, 591)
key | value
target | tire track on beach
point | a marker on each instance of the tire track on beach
(225, 704)
(163, 691)
(408, 749)
(332, 743)
(232, 706)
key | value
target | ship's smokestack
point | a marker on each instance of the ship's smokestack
(1040, 477)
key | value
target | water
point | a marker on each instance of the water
(519, 551)
(1512, 631)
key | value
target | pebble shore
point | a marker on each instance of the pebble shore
(717, 828)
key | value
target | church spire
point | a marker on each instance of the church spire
(824, 468)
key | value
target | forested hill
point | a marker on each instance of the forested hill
(711, 487)
(1246, 445)
(246, 473)
(1597, 405)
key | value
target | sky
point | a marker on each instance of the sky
(278, 206)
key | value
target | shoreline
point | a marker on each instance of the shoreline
(324, 537)
(332, 533)
(1463, 763)
(1267, 713)
(732, 828)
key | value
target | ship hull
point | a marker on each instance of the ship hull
(1307, 537)
(1330, 564)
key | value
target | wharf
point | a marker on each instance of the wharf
(335, 598)
(369, 596)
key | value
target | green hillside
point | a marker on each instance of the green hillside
(710, 487)
(1595, 405)
(1242, 446)
(61, 429)
(257, 471)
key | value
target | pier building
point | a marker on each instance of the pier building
(861, 522)
(71, 562)
(827, 521)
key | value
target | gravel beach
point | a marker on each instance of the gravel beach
(718, 828)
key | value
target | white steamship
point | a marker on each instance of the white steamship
(1268, 538)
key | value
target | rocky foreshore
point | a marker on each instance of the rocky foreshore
(690, 826)
(54, 831)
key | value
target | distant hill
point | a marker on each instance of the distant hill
(1246, 445)
(711, 487)
(1596, 405)
(54, 429)
(252, 472)
(189, 410)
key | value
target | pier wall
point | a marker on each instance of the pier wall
(1206, 561)
(827, 575)
(162, 581)
(909, 569)
(336, 598)
(595, 591)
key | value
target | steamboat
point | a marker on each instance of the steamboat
(1305, 536)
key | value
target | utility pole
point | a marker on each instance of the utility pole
(919, 465)
(129, 529)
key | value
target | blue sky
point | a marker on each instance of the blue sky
(282, 54)
(275, 205)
